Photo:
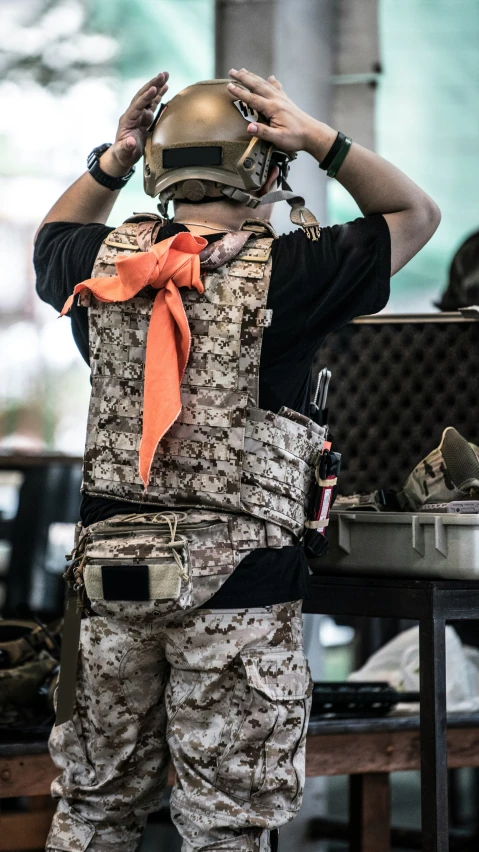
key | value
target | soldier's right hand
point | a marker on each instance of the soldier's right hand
(288, 126)
(133, 127)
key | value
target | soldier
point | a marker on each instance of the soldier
(189, 557)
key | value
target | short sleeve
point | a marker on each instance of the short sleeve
(64, 255)
(325, 284)
(360, 256)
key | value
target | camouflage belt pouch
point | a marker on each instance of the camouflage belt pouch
(140, 561)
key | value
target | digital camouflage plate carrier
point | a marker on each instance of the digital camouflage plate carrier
(223, 451)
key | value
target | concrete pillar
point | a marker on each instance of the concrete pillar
(357, 68)
(292, 39)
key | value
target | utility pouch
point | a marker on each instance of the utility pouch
(131, 558)
(137, 561)
(326, 478)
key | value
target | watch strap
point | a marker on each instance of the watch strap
(328, 159)
(340, 157)
(96, 171)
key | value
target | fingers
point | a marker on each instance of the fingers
(283, 141)
(158, 81)
(262, 131)
(144, 106)
(156, 100)
(144, 100)
(150, 93)
(126, 152)
(146, 118)
(274, 82)
(254, 82)
(162, 90)
(257, 102)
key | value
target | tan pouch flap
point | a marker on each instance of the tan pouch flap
(164, 581)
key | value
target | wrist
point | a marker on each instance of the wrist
(111, 165)
(318, 139)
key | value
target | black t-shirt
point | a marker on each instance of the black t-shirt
(316, 288)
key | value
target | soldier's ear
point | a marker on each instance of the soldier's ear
(273, 175)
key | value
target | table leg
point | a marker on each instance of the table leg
(370, 812)
(434, 812)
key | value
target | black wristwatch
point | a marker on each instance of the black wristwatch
(100, 176)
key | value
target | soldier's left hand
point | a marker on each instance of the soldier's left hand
(133, 127)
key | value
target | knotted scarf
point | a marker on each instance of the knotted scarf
(170, 264)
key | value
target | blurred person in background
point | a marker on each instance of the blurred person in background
(200, 657)
(463, 285)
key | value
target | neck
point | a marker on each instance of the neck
(218, 215)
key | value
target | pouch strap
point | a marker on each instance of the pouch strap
(317, 525)
(274, 537)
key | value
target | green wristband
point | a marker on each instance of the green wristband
(339, 158)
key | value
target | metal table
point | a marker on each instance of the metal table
(432, 603)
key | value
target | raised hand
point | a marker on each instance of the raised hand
(133, 127)
(289, 127)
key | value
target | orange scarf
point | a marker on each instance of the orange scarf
(170, 264)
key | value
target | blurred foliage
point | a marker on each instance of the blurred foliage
(53, 43)
(72, 66)
(158, 35)
(56, 43)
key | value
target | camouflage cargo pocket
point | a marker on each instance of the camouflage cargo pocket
(69, 832)
(269, 713)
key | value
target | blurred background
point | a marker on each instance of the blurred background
(399, 77)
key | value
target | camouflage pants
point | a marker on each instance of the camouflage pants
(224, 694)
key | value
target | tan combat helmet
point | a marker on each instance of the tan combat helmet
(201, 135)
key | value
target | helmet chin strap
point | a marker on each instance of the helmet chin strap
(299, 215)
(164, 201)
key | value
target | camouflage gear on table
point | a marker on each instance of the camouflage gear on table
(352, 502)
(28, 674)
(450, 472)
(223, 452)
(226, 693)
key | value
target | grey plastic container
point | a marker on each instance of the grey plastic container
(444, 546)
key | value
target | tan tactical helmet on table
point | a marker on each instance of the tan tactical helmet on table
(201, 136)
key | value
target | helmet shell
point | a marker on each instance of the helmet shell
(201, 134)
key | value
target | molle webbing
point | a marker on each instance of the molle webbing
(223, 451)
